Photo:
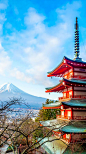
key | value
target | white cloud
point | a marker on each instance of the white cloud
(3, 6)
(33, 18)
(39, 47)
(2, 20)
(5, 62)
(20, 75)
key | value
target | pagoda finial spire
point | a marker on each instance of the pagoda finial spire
(76, 39)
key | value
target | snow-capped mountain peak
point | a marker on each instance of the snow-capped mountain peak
(9, 87)
(8, 90)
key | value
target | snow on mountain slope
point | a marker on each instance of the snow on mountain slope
(8, 90)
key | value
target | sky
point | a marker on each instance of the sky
(34, 37)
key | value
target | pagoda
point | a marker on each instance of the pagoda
(70, 125)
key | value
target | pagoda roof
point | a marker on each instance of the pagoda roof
(75, 81)
(63, 83)
(65, 126)
(58, 70)
(54, 124)
(55, 88)
(65, 65)
(53, 145)
(51, 124)
(75, 103)
(75, 127)
(52, 105)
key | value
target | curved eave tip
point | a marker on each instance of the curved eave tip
(47, 90)
(48, 75)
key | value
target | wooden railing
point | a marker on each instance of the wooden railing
(64, 117)
(76, 77)
(72, 118)
(75, 97)
(79, 117)
(79, 77)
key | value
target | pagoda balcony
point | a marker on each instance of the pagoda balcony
(72, 97)
(79, 118)
(63, 117)
(71, 118)
(77, 77)
(64, 98)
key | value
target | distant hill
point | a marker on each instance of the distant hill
(10, 91)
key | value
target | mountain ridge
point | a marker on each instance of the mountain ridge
(8, 90)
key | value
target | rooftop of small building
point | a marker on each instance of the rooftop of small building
(54, 124)
(53, 145)
(57, 104)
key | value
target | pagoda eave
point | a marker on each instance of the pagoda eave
(65, 65)
(58, 107)
(56, 88)
(76, 103)
(75, 127)
(60, 69)
(64, 84)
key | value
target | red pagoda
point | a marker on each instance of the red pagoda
(71, 123)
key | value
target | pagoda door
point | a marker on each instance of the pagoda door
(69, 114)
(67, 94)
(62, 113)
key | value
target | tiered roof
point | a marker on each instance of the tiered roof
(75, 127)
(65, 83)
(68, 122)
(54, 124)
(53, 145)
(65, 65)
(65, 126)
(80, 103)
(76, 103)
(52, 106)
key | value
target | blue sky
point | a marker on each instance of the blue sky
(34, 37)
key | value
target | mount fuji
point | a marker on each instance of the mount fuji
(10, 91)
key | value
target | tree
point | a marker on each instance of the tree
(21, 130)
(48, 114)
(23, 133)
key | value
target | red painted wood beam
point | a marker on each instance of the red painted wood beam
(58, 107)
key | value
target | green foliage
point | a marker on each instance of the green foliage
(47, 114)
(41, 132)
(38, 134)
(49, 101)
